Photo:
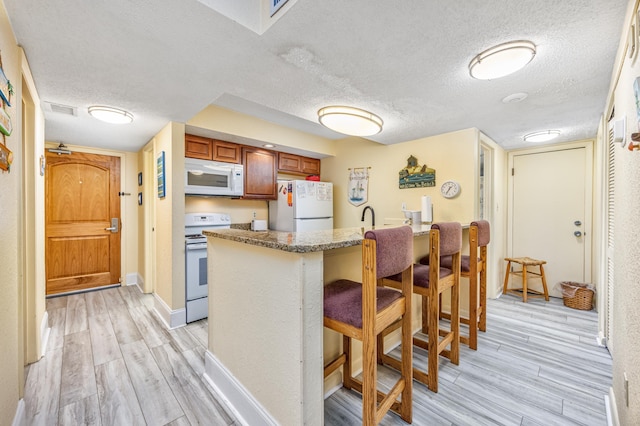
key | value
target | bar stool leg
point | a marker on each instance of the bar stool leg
(544, 284)
(483, 293)
(473, 311)
(506, 278)
(524, 283)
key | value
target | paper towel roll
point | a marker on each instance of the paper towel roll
(427, 209)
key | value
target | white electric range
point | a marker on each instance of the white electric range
(197, 289)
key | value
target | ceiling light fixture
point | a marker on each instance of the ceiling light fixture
(111, 115)
(350, 121)
(502, 60)
(544, 136)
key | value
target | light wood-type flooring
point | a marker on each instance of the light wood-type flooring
(110, 361)
(538, 364)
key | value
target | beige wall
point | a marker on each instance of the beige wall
(626, 297)
(243, 126)
(36, 323)
(10, 223)
(169, 226)
(452, 155)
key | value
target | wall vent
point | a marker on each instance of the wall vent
(61, 109)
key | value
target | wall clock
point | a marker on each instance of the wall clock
(450, 189)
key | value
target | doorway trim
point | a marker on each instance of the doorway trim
(587, 144)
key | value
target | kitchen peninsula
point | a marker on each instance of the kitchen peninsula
(266, 339)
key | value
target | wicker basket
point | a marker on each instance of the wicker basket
(582, 296)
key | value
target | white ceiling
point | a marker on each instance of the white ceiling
(403, 60)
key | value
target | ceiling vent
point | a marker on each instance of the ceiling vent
(61, 109)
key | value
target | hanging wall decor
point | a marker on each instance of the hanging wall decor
(358, 188)
(413, 175)
(6, 90)
(161, 177)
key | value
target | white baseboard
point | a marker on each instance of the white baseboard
(133, 278)
(612, 409)
(45, 330)
(171, 319)
(239, 400)
(19, 419)
(601, 340)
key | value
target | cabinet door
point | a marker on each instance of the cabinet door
(297, 164)
(198, 147)
(260, 173)
(226, 151)
(289, 163)
(310, 166)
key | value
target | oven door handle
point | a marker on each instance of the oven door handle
(198, 246)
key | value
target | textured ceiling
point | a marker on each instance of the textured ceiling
(404, 60)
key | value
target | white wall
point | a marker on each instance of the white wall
(626, 297)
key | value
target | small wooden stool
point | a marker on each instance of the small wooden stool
(525, 262)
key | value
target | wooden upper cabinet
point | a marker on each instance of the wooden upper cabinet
(226, 151)
(310, 166)
(297, 164)
(198, 147)
(260, 173)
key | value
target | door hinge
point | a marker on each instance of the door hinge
(512, 171)
(120, 279)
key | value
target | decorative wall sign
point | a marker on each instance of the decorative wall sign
(6, 158)
(416, 176)
(358, 188)
(5, 88)
(5, 123)
(161, 180)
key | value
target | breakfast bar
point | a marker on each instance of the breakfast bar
(266, 339)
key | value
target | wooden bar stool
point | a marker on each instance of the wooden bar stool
(524, 273)
(429, 281)
(470, 267)
(364, 310)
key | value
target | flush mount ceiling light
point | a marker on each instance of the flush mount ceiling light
(544, 136)
(350, 121)
(502, 60)
(111, 115)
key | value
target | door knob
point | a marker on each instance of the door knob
(578, 234)
(577, 223)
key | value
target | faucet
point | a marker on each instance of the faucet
(373, 216)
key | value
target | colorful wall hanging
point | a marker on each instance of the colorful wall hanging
(161, 176)
(6, 90)
(416, 176)
(358, 188)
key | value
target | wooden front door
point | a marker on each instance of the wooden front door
(81, 199)
(551, 217)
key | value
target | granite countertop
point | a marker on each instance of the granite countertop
(303, 242)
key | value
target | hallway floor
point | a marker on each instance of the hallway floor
(109, 361)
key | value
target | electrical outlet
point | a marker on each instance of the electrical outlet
(626, 389)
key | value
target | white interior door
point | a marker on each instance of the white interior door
(550, 216)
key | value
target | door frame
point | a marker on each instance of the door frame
(128, 222)
(589, 239)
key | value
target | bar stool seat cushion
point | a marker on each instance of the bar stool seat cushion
(447, 262)
(421, 275)
(343, 301)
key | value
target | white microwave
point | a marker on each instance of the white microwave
(203, 177)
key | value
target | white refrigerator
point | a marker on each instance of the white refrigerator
(302, 205)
